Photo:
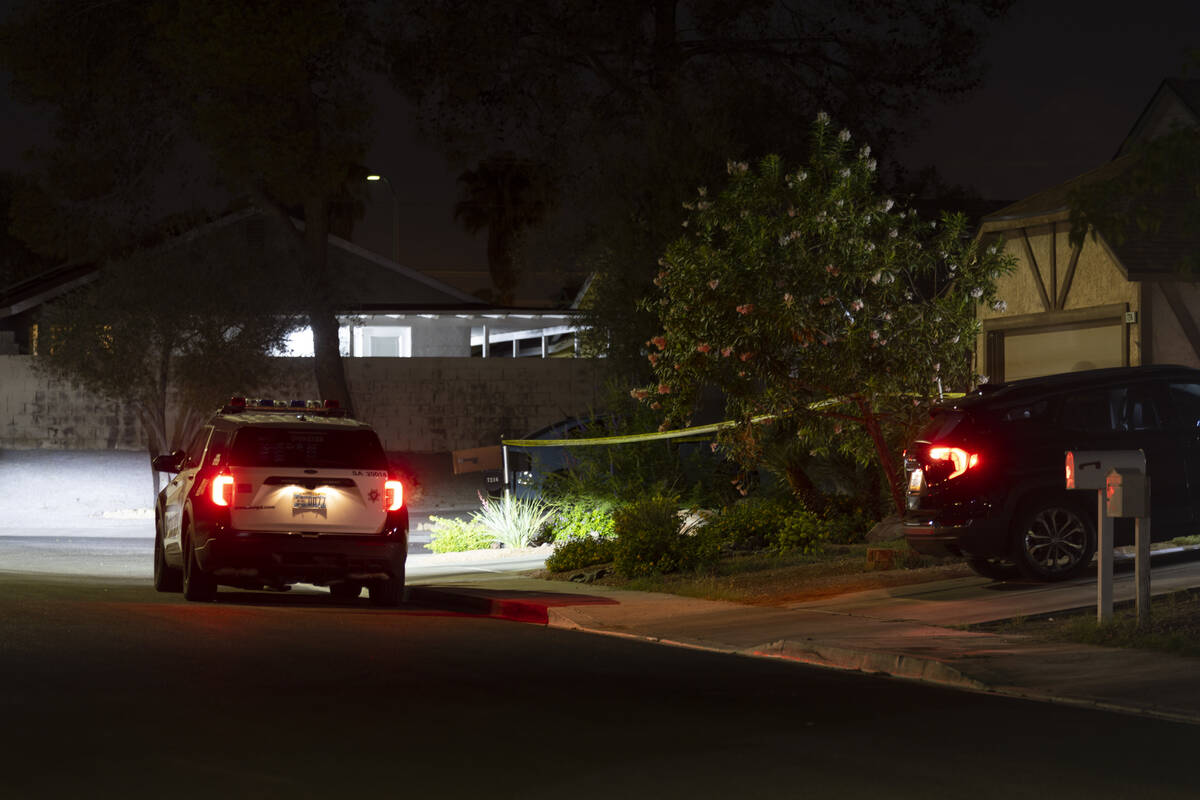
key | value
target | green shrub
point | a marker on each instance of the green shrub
(648, 538)
(580, 553)
(846, 521)
(511, 521)
(451, 535)
(757, 524)
(582, 518)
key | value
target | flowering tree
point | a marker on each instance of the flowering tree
(824, 311)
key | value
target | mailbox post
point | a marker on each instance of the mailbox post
(1089, 469)
(1127, 493)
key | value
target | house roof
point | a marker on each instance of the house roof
(365, 278)
(1175, 102)
(1140, 254)
(1053, 203)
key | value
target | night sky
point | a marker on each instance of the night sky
(1067, 80)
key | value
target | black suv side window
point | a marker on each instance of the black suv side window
(1185, 397)
(1115, 410)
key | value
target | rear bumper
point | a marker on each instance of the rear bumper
(248, 556)
(927, 535)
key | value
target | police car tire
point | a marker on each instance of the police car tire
(197, 585)
(166, 577)
(388, 594)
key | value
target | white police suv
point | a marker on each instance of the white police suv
(271, 493)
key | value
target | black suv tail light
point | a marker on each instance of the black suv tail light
(953, 461)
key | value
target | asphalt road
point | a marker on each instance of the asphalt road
(108, 689)
(129, 557)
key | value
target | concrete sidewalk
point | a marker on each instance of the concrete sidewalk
(1130, 681)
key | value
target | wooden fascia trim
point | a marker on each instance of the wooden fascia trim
(1003, 224)
(1061, 301)
(1033, 268)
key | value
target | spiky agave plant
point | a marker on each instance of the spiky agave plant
(513, 521)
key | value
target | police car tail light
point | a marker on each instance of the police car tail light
(393, 495)
(222, 490)
(960, 459)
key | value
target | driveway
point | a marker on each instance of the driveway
(968, 601)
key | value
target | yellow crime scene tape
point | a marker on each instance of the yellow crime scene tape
(700, 432)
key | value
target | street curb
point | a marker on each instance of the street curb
(881, 662)
(811, 653)
(466, 602)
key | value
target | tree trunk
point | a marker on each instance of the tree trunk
(327, 357)
(803, 488)
(886, 464)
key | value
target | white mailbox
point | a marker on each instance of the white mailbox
(1127, 494)
(1088, 469)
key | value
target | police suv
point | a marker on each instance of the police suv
(269, 494)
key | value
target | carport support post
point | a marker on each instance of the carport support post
(1104, 561)
(504, 450)
(1142, 568)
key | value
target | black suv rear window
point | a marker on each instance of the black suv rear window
(942, 423)
(317, 449)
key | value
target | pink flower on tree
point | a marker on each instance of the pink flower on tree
(703, 348)
(664, 388)
(653, 357)
(746, 356)
(745, 308)
(727, 351)
(639, 394)
(660, 342)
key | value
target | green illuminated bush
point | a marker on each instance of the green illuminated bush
(452, 535)
(648, 538)
(757, 524)
(582, 518)
(580, 553)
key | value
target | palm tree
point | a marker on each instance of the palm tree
(505, 195)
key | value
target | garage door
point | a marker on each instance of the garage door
(1067, 349)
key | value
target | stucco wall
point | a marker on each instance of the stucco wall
(421, 405)
(1097, 281)
(1170, 342)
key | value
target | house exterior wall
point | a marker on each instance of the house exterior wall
(425, 405)
(1097, 284)
(1170, 343)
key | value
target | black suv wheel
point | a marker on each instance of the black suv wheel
(1053, 540)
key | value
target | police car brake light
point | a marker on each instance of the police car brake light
(222, 490)
(393, 495)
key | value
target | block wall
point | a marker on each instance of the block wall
(418, 405)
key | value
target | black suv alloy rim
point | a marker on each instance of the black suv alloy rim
(1056, 540)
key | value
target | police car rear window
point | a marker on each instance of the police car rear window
(315, 449)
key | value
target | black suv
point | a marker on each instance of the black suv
(986, 476)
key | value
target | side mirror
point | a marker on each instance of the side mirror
(169, 463)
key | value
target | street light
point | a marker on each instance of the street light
(395, 214)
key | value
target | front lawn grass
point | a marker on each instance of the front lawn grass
(777, 579)
(1174, 626)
